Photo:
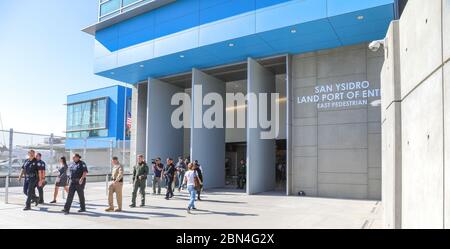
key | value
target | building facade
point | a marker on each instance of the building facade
(97, 119)
(312, 53)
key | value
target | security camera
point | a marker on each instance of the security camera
(376, 45)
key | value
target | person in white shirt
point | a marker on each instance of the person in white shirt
(192, 181)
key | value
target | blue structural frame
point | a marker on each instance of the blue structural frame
(188, 34)
(115, 116)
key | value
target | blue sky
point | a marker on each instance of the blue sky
(44, 57)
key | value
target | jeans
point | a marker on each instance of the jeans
(192, 193)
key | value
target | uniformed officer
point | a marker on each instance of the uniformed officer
(30, 171)
(140, 173)
(77, 181)
(41, 177)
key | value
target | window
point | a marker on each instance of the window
(87, 119)
(110, 8)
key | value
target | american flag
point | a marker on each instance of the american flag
(129, 120)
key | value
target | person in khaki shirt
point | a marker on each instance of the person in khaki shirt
(115, 186)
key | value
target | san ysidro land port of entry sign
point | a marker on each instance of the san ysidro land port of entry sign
(340, 95)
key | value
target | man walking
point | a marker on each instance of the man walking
(158, 167)
(115, 186)
(30, 171)
(41, 177)
(181, 170)
(140, 173)
(169, 173)
(78, 173)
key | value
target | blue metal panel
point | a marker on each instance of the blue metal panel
(175, 17)
(294, 26)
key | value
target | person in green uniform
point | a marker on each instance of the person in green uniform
(140, 173)
(242, 177)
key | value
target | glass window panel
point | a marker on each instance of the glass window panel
(84, 118)
(108, 7)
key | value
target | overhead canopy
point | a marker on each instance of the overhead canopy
(296, 26)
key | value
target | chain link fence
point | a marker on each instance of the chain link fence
(97, 154)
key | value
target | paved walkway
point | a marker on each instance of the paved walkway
(220, 209)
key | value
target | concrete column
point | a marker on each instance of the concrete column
(391, 130)
(260, 152)
(163, 140)
(289, 115)
(207, 144)
(139, 122)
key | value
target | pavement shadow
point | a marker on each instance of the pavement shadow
(97, 215)
(209, 212)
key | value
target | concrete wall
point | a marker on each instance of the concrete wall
(391, 130)
(336, 152)
(163, 140)
(139, 122)
(423, 67)
(207, 145)
(260, 152)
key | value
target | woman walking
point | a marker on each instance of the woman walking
(192, 181)
(61, 180)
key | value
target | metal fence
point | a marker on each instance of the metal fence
(97, 154)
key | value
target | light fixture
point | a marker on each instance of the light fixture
(360, 17)
(231, 45)
(112, 73)
(293, 31)
(182, 56)
(141, 66)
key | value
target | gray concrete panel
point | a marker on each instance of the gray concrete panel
(163, 140)
(422, 155)
(260, 152)
(446, 28)
(343, 136)
(138, 141)
(208, 145)
(447, 142)
(353, 161)
(352, 191)
(420, 42)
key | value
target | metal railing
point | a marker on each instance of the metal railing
(97, 154)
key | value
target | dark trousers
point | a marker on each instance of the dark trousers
(241, 182)
(41, 194)
(169, 181)
(138, 185)
(75, 187)
(31, 194)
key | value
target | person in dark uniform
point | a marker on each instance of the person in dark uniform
(169, 174)
(140, 173)
(242, 174)
(199, 171)
(42, 182)
(30, 171)
(77, 181)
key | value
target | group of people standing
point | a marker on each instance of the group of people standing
(183, 175)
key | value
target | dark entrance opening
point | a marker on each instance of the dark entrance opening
(281, 165)
(235, 152)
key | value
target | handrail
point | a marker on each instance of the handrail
(95, 175)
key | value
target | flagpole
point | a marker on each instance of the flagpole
(125, 120)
